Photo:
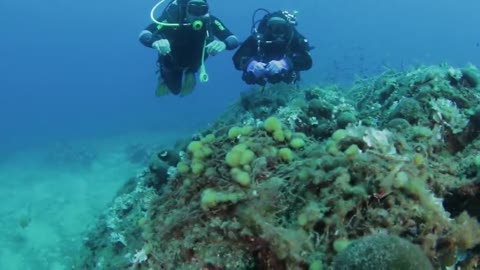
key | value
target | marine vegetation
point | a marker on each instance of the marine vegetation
(382, 175)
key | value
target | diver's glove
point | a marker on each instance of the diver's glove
(215, 47)
(257, 68)
(277, 66)
(162, 46)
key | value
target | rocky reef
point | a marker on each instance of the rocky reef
(310, 178)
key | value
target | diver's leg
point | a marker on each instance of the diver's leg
(189, 83)
(162, 88)
(171, 77)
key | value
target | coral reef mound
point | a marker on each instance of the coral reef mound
(293, 178)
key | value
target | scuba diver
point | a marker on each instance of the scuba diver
(184, 35)
(274, 52)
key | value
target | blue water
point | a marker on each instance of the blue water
(75, 83)
(70, 69)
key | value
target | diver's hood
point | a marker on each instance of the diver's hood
(276, 25)
(183, 3)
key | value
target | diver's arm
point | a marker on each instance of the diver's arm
(300, 60)
(154, 31)
(299, 57)
(151, 34)
(146, 37)
(223, 34)
(245, 53)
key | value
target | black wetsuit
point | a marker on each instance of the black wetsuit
(260, 48)
(186, 44)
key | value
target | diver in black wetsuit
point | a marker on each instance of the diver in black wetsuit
(184, 35)
(274, 52)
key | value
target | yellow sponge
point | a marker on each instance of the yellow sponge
(272, 124)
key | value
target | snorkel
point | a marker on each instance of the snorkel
(196, 24)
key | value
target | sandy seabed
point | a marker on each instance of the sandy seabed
(49, 199)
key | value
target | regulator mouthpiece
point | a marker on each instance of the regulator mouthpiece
(197, 25)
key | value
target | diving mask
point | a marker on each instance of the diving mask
(197, 8)
(278, 27)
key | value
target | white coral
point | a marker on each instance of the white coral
(448, 114)
(118, 238)
(455, 73)
(139, 257)
(379, 140)
(171, 172)
(291, 115)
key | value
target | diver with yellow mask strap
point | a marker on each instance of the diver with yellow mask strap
(184, 35)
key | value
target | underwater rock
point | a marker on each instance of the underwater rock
(466, 77)
(322, 130)
(470, 77)
(265, 102)
(382, 251)
(161, 166)
(386, 92)
(398, 124)
(464, 198)
(345, 118)
(171, 157)
(320, 109)
(475, 119)
(408, 109)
